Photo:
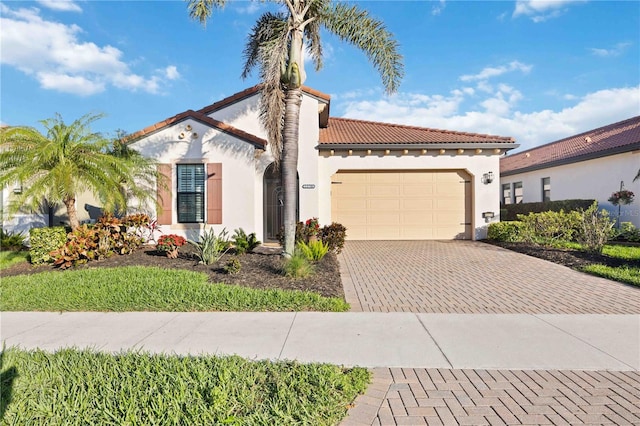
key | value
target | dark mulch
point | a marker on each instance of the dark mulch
(259, 270)
(567, 257)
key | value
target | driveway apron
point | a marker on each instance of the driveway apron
(471, 277)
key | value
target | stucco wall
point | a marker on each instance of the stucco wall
(209, 146)
(592, 179)
(484, 196)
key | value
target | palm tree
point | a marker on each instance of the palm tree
(275, 45)
(67, 161)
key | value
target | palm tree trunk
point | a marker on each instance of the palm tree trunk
(70, 204)
(293, 100)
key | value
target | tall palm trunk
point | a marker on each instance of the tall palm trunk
(70, 204)
(293, 100)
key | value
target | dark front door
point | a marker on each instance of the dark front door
(273, 203)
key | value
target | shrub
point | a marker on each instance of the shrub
(11, 240)
(505, 231)
(211, 247)
(333, 235)
(511, 211)
(171, 242)
(117, 235)
(233, 266)
(313, 250)
(44, 241)
(595, 228)
(549, 226)
(83, 244)
(244, 243)
(297, 266)
(628, 232)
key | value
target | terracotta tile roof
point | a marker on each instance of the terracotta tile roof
(203, 118)
(608, 140)
(236, 97)
(350, 131)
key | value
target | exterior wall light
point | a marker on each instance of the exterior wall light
(487, 178)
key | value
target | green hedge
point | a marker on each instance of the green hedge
(506, 231)
(45, 240)
(510, 212)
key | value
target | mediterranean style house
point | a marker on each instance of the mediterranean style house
(382, 181)
(590, 165)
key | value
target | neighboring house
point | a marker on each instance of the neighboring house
(382, 181)
(590, 165)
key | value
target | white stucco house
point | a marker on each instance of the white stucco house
(590, 165)
(382, 181)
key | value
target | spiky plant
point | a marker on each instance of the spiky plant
(275, 46)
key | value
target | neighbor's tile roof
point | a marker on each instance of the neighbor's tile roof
(350, 131)
(203, 118)
(608, 140)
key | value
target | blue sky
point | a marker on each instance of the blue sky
(534, 70)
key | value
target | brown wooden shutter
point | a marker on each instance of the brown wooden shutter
(164, 195)
(214, 193)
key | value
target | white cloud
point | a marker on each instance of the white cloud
(616, 50)
(61, 5)
(249, 9)
(490, 72)
(55, 56)
(438, 8)
(496, 113)
(542, 10)
(171, 72)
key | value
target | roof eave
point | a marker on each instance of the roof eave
(255, 143)
(506, 146)
(576, 159)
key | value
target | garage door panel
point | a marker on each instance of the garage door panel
(384, 205)
(394, 205)
(384, 190)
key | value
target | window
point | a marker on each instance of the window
(517, 192)
(190, 193)
(546, 189)
(506, 193)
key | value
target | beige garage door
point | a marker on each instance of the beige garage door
(402, 205)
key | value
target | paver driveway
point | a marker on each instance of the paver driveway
(471, 277)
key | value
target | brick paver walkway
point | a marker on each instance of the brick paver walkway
(484, 397)
(471, 277)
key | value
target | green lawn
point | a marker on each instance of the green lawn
(622, 252)
(10, 258)
(629, 275)
(72, 387)
(137, 288)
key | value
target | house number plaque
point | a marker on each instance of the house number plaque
(308, 186)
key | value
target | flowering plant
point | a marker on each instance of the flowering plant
(622, 197)
(167, 243)
(313, 227)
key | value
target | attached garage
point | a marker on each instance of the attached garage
(403, 204)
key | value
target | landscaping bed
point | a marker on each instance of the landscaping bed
(569, 257)
(260, 270)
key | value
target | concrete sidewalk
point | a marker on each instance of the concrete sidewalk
(450, 341)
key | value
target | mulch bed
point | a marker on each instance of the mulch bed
(261, 269)
(567, 257)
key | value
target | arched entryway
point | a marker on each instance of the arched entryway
(273, 202)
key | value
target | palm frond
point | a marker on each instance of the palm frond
(357, 27)
(264, 40)
(201, 10)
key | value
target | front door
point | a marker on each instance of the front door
(273, 203)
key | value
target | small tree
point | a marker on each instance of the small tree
(66, 161)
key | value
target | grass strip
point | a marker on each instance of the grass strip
(622, 251)
(137, 288)
(10, 258)
(628, 275)
(79, 387)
